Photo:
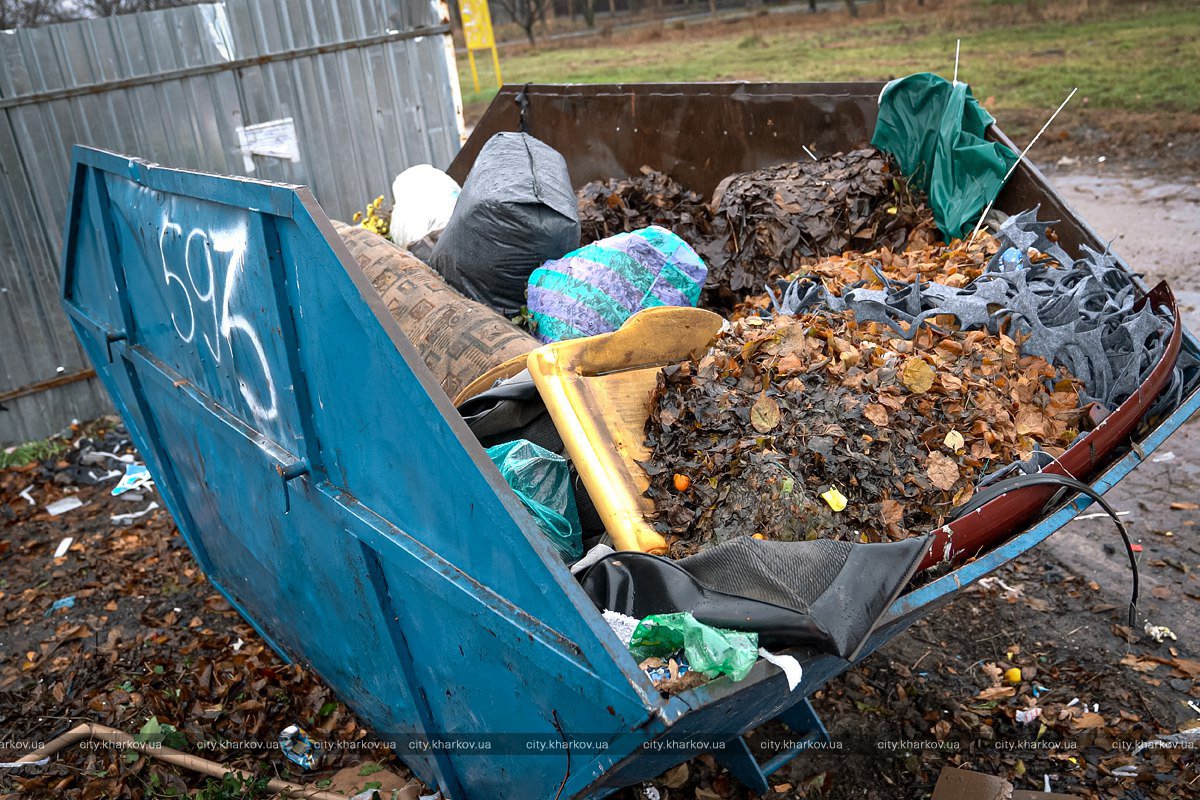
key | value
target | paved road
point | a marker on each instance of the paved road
(1154, 226)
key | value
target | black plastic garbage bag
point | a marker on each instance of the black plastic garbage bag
(516, 211)
(824, 593)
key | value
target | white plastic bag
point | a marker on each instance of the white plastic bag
(425, 198)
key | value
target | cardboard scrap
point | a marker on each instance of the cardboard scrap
(963, 784)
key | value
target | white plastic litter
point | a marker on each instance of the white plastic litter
(1167, 456)
(63, 505)
(790, 666)
(622, 624)
(63, 546)
(27, 496)
(123, 519)
(425, 198)
(96, 458)
(591, 557)
(137, 476)
(1028, 715)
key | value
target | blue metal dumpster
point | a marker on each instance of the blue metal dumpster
(330, 491)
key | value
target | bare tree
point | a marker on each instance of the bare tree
(110, 8)
(526, 13)
(29, 13)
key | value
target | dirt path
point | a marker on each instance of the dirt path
(1152, 225)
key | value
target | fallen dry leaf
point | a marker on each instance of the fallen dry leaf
(764, 414)
(942, 471)
(996, 693)
(917, 375)
(1137, 663)
(1088, 720)
(877, 414)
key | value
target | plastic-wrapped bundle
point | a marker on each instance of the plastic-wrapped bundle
(543, 482)
(516, 210)
(596, 288)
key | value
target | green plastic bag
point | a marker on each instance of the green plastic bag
(543, 482)
(712, 651)
(935, 130)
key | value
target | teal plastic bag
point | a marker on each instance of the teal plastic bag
(712, 651)
(543, 482)
(935, 131)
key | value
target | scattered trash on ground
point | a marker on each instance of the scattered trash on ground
(298, 747)
(61, 603)
(125, 519)
(1159, 633)
(63, 505)
(136, 477)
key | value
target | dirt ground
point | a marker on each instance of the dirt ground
(148, 637)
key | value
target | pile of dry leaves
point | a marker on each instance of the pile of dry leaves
(769, 222)
(774, 221)
(816, 426)
(614, 206)
(138, 637)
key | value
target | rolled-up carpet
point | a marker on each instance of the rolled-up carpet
(459, 339)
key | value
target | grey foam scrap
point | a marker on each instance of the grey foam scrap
(1075, 313)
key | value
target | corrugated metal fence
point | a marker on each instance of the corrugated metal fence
(336, 95)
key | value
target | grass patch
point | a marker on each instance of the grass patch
(1123, 56)
(22, 454)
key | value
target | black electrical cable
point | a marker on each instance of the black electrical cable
(1007, 485)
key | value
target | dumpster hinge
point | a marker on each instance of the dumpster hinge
(288, 473)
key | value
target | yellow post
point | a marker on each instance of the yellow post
(477, 28)
(474, 72)
(496, 64)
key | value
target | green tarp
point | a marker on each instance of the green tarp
(935, 131)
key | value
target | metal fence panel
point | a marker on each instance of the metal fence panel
(369, 85)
